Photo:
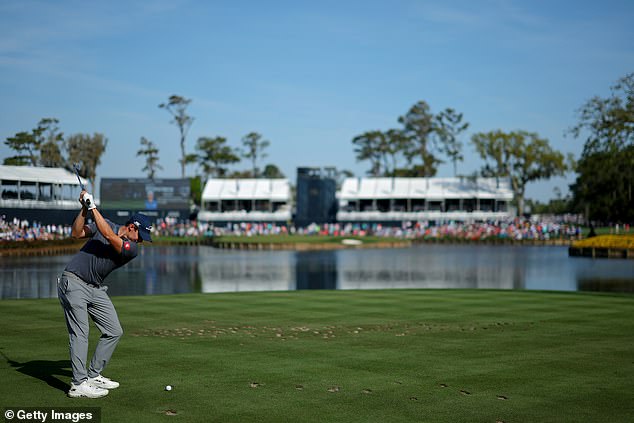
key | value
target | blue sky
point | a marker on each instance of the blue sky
(308, 76)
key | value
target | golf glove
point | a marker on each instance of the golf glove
(89, 202)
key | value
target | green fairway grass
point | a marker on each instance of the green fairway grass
(340, 356)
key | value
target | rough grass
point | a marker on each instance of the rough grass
(345, 356)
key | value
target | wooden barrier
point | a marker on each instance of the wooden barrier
(596, 252)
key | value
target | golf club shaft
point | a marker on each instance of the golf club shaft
(81, 184)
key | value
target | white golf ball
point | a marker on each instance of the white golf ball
(168, 388)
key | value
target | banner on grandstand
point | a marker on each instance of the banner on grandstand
(144, 194)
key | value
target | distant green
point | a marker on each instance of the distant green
(341, 356)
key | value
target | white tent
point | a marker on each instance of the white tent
(401, 199)
(428, 188)
(247, 189)
(38, 187)
(56, 175)
(246, 200)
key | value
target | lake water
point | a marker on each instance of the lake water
(181, 269)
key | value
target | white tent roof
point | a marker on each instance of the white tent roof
(53, 175)
(247, 189)
(429, 188)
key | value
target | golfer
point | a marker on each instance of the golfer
(81, 292)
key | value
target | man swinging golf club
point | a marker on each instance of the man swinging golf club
(81, 292)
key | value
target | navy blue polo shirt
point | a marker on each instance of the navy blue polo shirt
(97, 258)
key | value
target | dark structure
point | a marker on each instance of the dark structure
(157, 198)
(316, 196)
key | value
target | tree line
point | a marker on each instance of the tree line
(424, 140)
(603, 190)
(415, 148)
(45, 145)
(212, 154)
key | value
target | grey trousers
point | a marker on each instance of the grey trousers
(80, 300)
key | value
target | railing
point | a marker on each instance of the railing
(244, 216)
(37, 204)
(372, 216)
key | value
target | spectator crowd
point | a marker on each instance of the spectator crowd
(516, 229)
(23, 230)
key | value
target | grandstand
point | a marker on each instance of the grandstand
(49, 196)
(415, 199)
(44, 194)
(246, 200)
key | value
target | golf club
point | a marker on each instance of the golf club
(83, 188)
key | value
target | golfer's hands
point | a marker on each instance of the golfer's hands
(87, 200)
(81, 197)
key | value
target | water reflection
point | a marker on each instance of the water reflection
(30, 277)
(157, 270)
(432, 267)
(316, 270)
(225, 270)
(173, 270)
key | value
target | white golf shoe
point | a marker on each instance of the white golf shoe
(103, 382)
(85, 389)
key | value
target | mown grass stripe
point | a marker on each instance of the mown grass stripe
(387, 353)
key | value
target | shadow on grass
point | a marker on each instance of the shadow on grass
(45, 370)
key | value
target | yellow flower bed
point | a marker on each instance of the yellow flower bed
(607, 241)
